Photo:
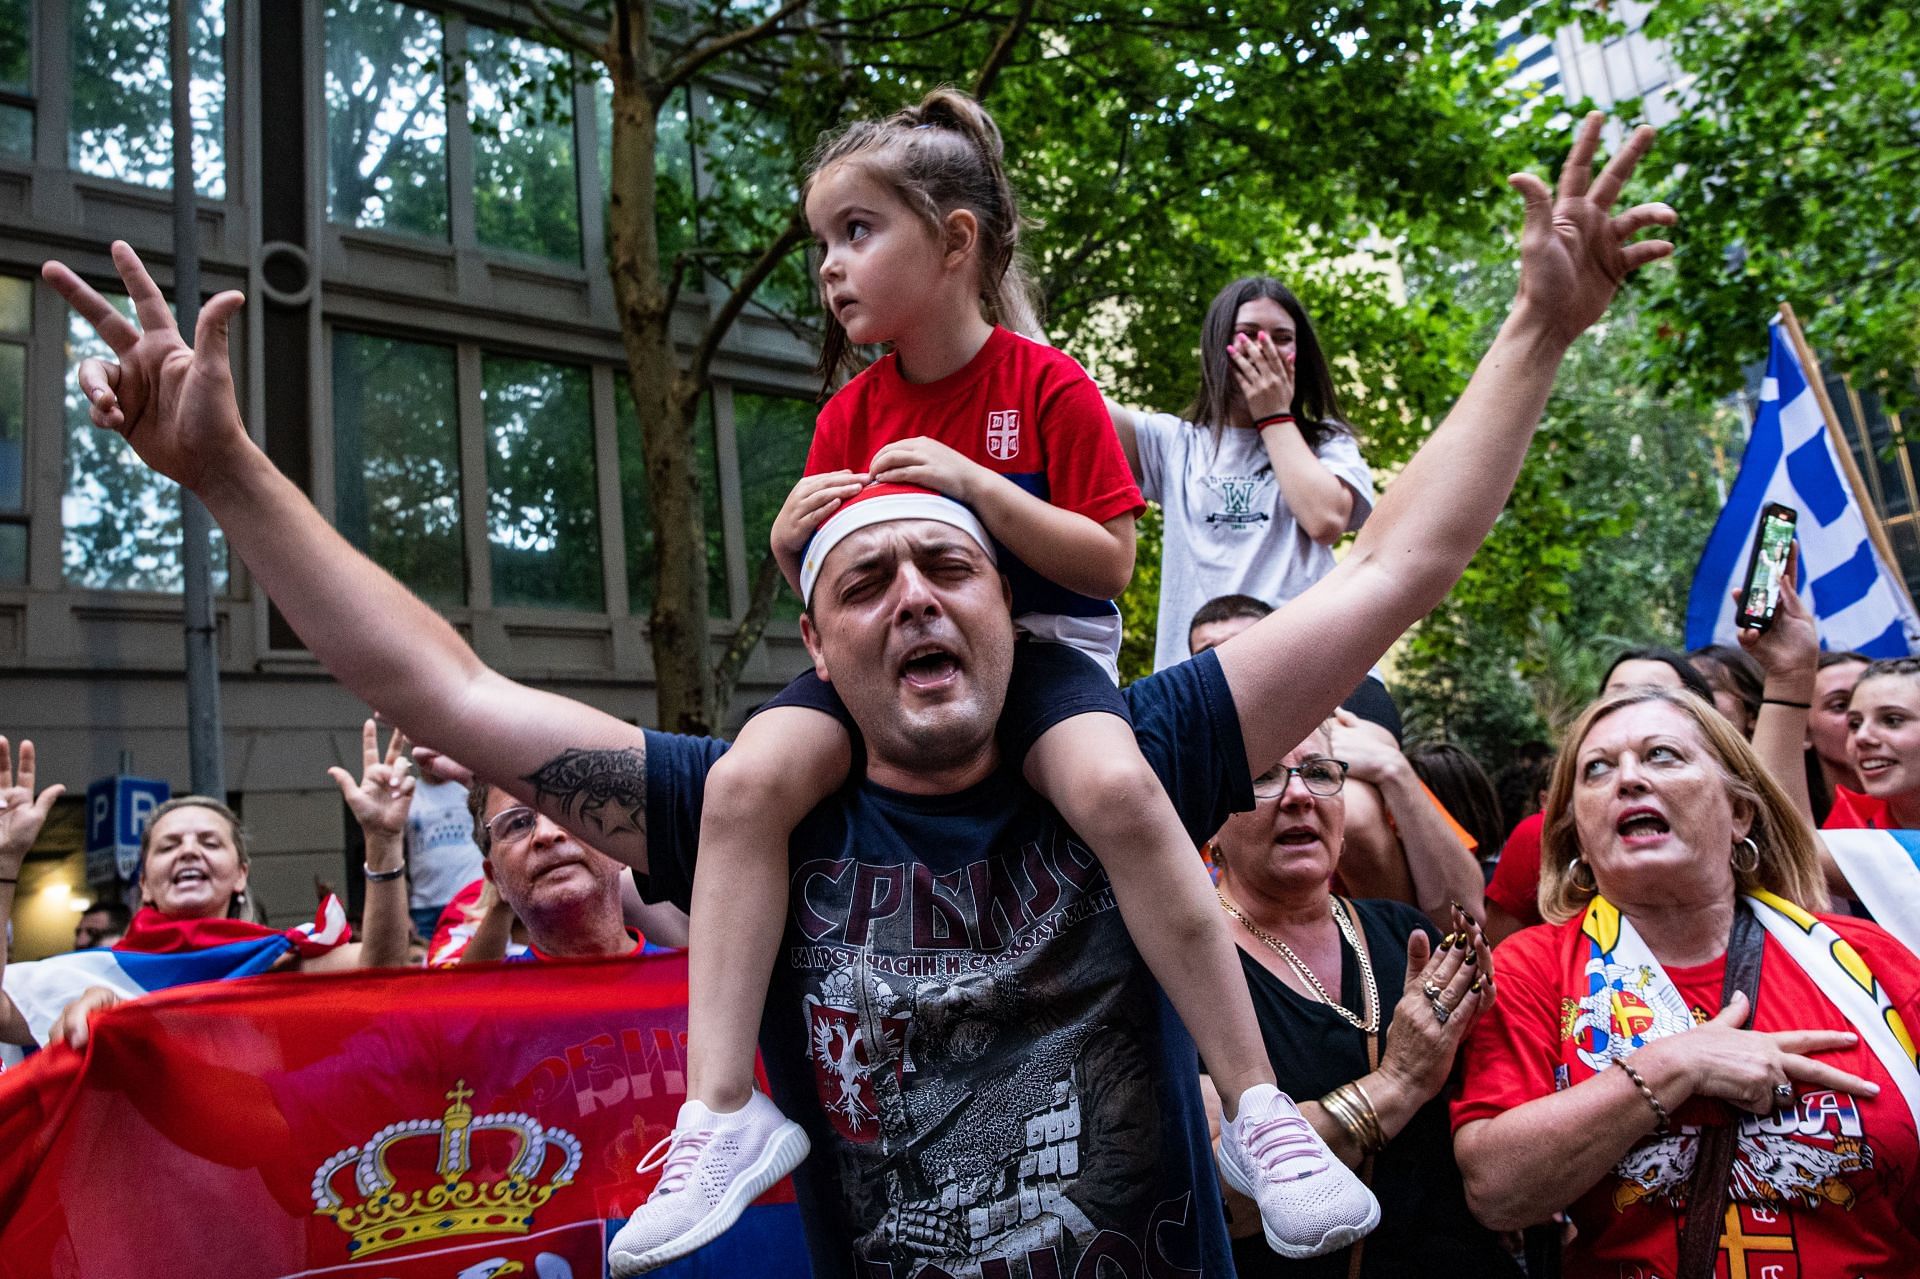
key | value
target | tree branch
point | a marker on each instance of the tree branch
(789, 238)
(726, 672)
(566, 33)
(689, 63)
(686, 258)
(1002, 49)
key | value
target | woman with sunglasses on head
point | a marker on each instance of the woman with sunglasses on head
(1362, 1005)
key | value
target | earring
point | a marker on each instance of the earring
(1753, 861)
(1574, 868)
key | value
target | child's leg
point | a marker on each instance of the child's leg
(1090, 766)
(729, 1144)
(784, 762)
(1091, 769)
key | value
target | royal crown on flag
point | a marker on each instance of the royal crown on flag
(383, 1214)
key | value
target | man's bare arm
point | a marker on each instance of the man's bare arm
(176, 407)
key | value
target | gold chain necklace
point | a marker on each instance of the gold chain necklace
(1371, 1002)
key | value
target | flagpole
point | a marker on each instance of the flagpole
(1810, 369)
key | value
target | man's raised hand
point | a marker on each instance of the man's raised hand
(1574, 253)
(174, 405)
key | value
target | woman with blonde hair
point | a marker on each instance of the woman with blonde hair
(1686, 1056)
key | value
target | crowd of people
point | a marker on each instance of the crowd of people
(1419, 1015)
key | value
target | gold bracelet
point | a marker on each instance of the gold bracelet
(1659, 1111)
(1353, 1110)
(1340, 1109)
(1376, 1136)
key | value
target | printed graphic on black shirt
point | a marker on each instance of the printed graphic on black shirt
(981, 1039)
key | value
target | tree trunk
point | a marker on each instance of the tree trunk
(678, 623)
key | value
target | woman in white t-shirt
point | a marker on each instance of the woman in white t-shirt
(1261, 474)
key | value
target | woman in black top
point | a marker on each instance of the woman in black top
(1379, 1107)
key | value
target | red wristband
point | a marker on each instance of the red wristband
(1272, 419)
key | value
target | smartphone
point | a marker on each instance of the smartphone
(1761, 594)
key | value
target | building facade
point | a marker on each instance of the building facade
(429, 350)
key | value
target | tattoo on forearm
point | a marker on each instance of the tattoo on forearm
(607, 788)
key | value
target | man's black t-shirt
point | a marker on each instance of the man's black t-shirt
(994, 1085)
(1425, 1228)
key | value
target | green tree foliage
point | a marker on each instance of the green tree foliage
(1793, 172)
(1160, 152)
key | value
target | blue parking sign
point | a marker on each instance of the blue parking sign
(118, 809)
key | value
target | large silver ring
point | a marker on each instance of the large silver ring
(1440, 1013)
(1431, 991)
(1783, 1093)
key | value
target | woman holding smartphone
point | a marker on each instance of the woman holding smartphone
(1260, 475)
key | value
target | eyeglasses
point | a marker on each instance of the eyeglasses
(512, 826)
(1322, 777)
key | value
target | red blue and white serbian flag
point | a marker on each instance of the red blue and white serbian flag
(1883, 869)
(159, 953)
(459, 1123)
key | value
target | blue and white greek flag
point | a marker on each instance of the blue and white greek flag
(1857, 600)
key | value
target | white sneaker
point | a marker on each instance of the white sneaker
(1310, 1203)
(711, 1167)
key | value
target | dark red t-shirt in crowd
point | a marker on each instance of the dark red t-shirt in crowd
(1826, 1187)
(1019, 408)
(1515, 887)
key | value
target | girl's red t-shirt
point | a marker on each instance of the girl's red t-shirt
(1019, 408)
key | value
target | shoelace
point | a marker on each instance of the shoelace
(675, 1155)
(1281, 1140)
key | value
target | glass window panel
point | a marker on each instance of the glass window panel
(774, 432)
(16, 132)
(120, 522)
(520, 102)
(396, 440)
(121, 125)
(637, 513)
(673, 174)
(386, 118)
(16, 304)
(541, 516)
(13, 415)
(13, 554)
(16, 53)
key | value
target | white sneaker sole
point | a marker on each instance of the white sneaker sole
(1334, 1240)
(785, 1151)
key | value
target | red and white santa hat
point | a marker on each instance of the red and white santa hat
(876, 504)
